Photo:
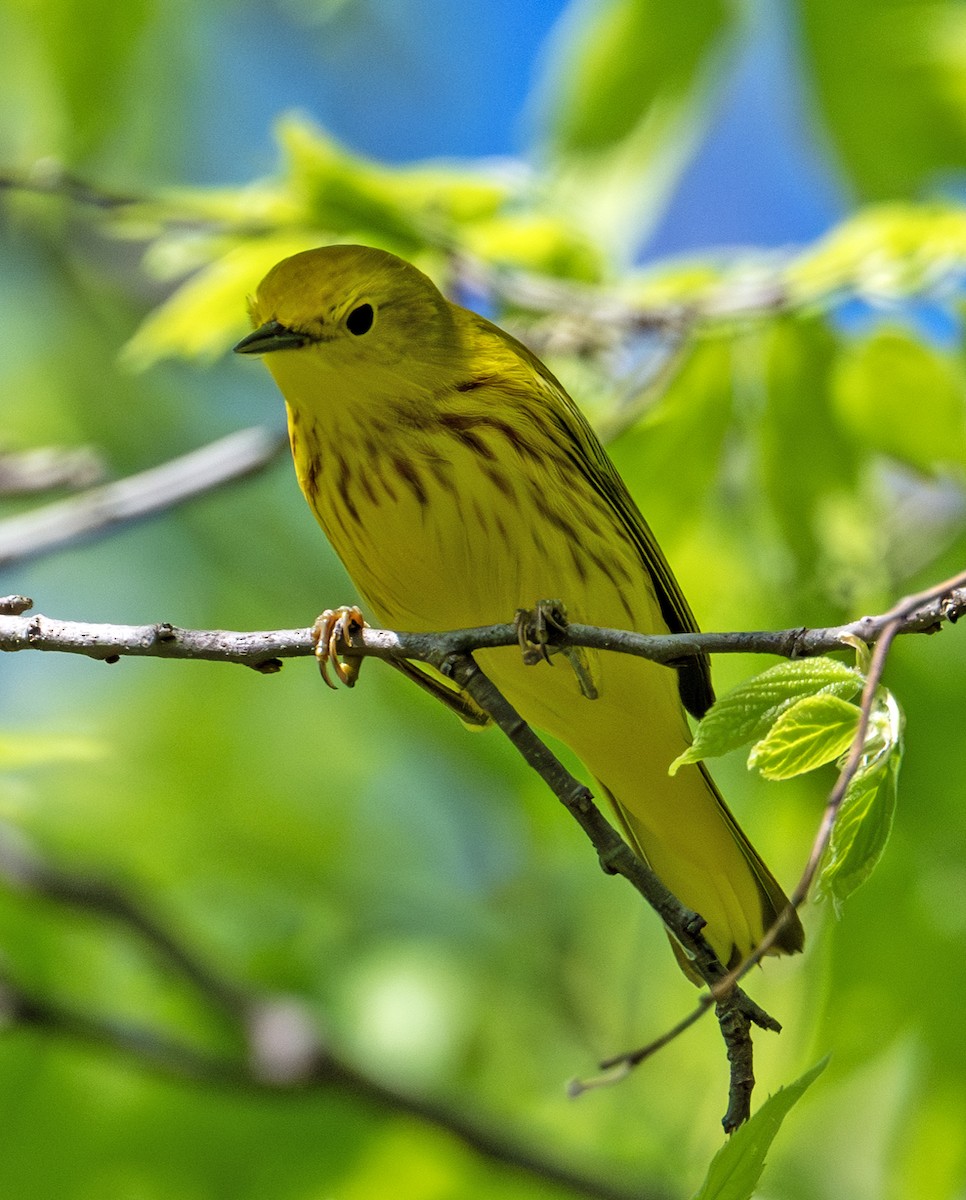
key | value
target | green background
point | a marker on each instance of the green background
(420, 892)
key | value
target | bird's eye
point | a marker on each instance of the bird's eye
(359, 321)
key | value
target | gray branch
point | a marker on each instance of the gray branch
(451, 653)
(282, 1049)
(263, 650)
(104, 508)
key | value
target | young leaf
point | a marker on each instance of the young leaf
(811, 732)
(624, 101)
(861, 831)
(865, 819)
(736, 1168)
(746, 712)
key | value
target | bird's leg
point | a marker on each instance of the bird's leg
(459, 702)
(535, 630)
(344, 623)
(330, 627)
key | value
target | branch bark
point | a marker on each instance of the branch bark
(283, 1051)
(451, 653)
(261, 650)
(104, 508)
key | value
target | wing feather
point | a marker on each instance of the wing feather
(591, 459)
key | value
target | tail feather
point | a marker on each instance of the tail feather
(742, 898)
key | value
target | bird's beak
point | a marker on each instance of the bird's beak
(271, 336)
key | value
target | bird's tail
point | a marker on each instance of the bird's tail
(713, 868)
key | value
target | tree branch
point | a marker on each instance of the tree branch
(261, 649)
(451, 653)
(284, 1054)
(47, 467)
(102, 509)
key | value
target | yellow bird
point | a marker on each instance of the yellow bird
(458, 483)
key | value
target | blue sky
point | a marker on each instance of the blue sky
(413, 79)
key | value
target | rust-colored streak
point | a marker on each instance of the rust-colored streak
(470, 385)
(500, 481)
(343, 489)
(461, 428)
(410, 476)
(558, 521)
(443, 474)
(366, 485)
(579, 565)
(311, 478)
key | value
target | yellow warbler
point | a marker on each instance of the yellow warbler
(458, 482)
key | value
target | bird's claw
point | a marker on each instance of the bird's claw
(331, 627)
(536, 627)
(536, 630)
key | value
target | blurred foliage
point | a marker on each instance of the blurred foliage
(737, 1167)
(623, 106)
(889, 79)
(798, 441)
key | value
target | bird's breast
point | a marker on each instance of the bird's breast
(447, 530)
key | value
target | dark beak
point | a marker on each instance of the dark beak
(269, 337)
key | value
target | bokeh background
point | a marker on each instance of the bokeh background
(801, 461)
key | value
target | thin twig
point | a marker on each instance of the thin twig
(891, 624)
(290, 1061)
(50, 178)
(920, 612)
(102, 509)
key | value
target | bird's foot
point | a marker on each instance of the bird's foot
(537, 631)
(536, 628)
(331, 627)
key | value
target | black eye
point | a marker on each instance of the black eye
(359, 321)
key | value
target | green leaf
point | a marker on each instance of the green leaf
(885, 252)
(890, 77)
(618, 60)
(401, 208)
(813, 731)
(807, 458)
(904, 399)
(736, 1168)
(539, 242)
(207, 312)
(683, 437)
(89, 48)
(864, 821)
(746, 712)
(624, 100)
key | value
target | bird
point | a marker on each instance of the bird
(460, 484)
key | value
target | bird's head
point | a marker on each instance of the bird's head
(350, 306)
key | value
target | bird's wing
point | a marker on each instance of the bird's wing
(591, 459)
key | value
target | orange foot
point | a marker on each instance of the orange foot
(331, 627)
